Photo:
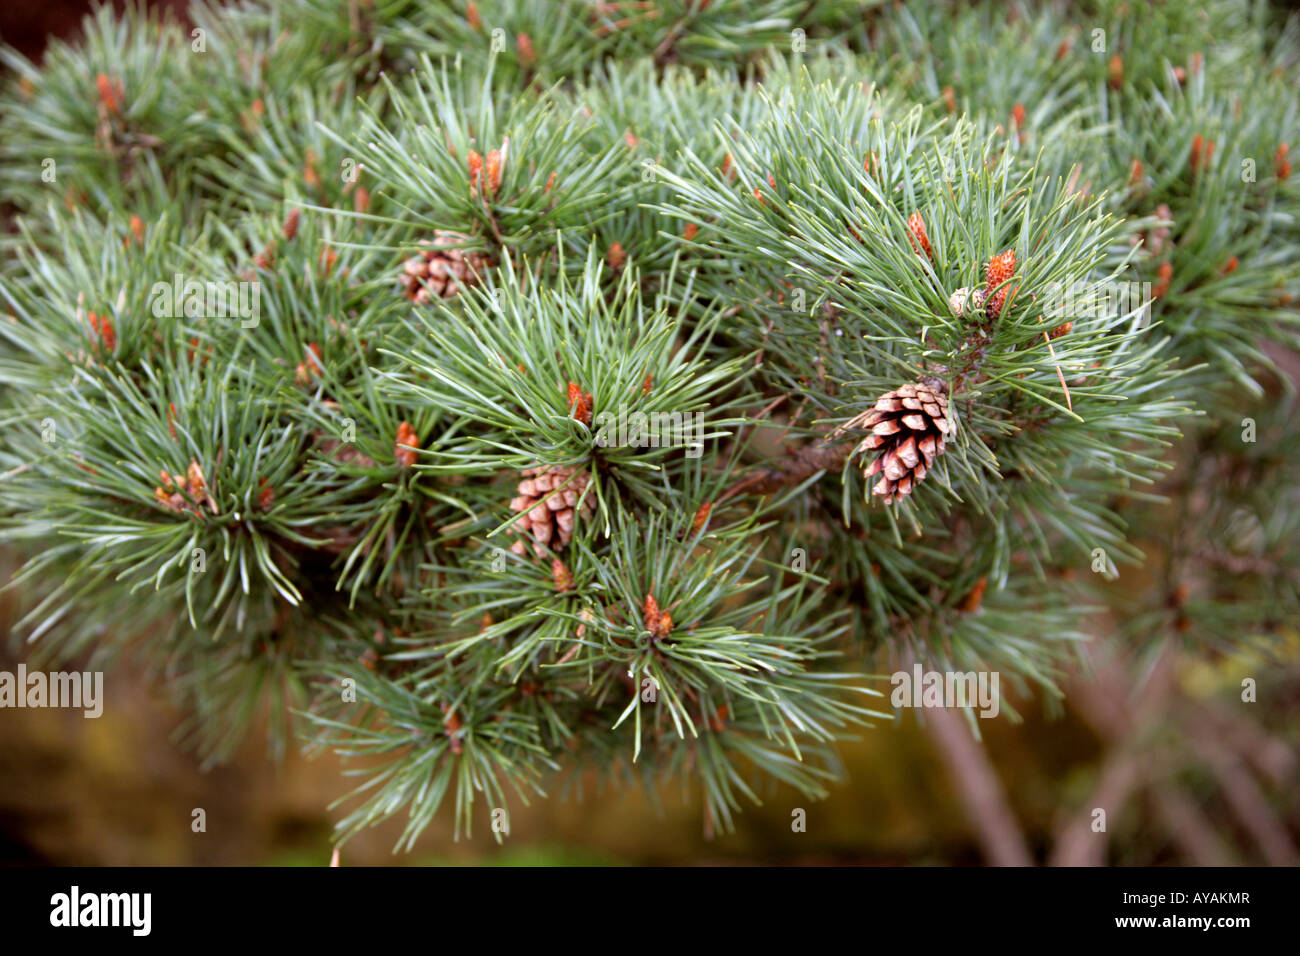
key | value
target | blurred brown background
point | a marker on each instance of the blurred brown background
(26, 24)
(1187, 773)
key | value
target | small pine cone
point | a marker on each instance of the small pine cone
(552, 501)
(1202, 153)
(1115, 72)
(966, 301)
(918, 238)
(309, 369)
(580, 403)
(1156, 238)
(404, 449)
(475, 164)
(524, 47)
(441, 271)
(1000, 269)
(701, 517)
(1166, 274)
(908, 428)
(102, 326)
(110, 93)
(616, 256)
(492, 170)
(1135, 172)
(185, 492)
(345, 453)
(168, 492)
(561, 575)
(658, 622)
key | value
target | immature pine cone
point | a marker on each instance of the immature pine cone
(908, 427)
(550, 497)
(918, 237)
(967, 301)
(441, 271)
(1000, 268)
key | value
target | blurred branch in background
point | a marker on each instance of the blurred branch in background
(973, 774)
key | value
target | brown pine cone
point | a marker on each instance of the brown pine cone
(908, 427)
(441, 271)
(550, 496)
(345, 453)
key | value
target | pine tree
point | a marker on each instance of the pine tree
(497, 391)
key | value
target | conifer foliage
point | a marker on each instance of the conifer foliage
(502, 392)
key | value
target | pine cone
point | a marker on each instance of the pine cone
(908, 426)
(441, 271)
(550, 496)
(404, 448)
(967, 301)
(1000, 268)
(345, 453)
(918, 237)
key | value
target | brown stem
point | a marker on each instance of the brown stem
(821, 455)
(1077, 844)
(1103, 701)
(1246, 799)
(1189, 827)
(665, 47)
(1270, 756)
(986, 803)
